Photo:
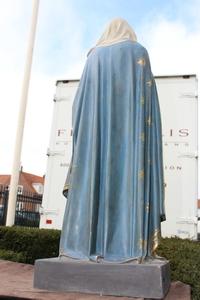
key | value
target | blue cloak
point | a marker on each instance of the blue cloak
(115, 185)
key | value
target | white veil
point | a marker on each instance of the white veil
(117, 30)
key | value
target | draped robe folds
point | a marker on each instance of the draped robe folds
(115, 184)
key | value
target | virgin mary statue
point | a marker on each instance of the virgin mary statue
(115, 184)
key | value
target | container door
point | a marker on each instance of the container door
(59, 156)
(178, 103)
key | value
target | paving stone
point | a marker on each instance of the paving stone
(16, 280)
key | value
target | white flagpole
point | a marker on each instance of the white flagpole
(21, 119)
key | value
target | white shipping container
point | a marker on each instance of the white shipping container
(179, 111)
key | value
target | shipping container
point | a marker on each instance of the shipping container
(178, 98)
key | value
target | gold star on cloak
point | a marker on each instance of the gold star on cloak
(141, 62)
(141, 174)
(149, 121)
(66, 187)
(147, 207)
(142, 136)
(155, 238)
(142, 243)
(149, 82)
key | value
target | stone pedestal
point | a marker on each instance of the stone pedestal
(147, 280)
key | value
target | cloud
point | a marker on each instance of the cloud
(58, 54)
(13, 32)
(62, 41)
(173, 46)
(60, 37)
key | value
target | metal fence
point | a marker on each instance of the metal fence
(3, 204)
(27, 208)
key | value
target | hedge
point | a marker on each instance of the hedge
(25, 245)
(184, 257)
(29, 243)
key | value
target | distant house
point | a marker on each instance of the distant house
(27, 183)
(28, 202)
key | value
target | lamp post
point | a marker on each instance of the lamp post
(21, 120)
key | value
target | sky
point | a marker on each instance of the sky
(66, 30)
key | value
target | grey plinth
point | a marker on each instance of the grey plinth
(147, 280)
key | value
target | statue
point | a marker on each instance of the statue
(115, 183)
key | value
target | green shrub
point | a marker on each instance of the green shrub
(33, 243)
(184, 257)
(11, 255)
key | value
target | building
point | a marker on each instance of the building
(28, 183)
(30, 191)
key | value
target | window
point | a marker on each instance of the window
(20, 190)
(38, 187)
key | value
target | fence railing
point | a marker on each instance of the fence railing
(27, 208)
(3, 203)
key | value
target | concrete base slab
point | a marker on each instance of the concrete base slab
(146, 280)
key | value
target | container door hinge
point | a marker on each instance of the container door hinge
(189, 95)
(189, 155)
(186, 220)
(60, 99)
(55, 153)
